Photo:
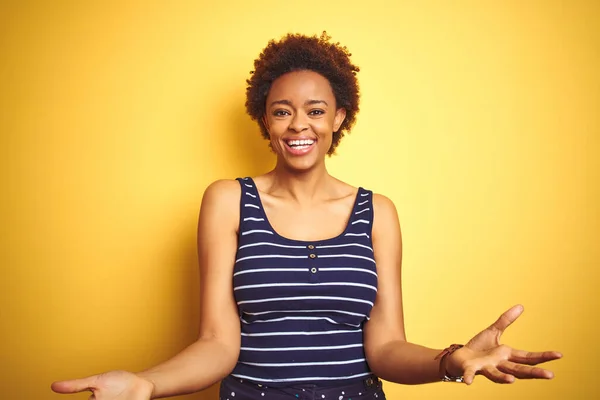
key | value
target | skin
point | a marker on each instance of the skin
(303, 202)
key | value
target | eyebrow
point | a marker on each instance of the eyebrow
(306, 103)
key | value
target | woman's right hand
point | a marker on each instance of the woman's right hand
(113, 385)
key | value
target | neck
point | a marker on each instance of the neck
(302, 186)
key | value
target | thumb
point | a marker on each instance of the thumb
(75, 385)
(507, 318)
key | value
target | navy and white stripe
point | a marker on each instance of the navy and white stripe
(302, 304)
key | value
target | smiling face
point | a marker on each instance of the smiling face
(301, 116)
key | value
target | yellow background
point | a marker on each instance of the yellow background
(480, 119)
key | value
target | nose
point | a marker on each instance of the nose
(299, 122)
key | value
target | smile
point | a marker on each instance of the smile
(299, 146)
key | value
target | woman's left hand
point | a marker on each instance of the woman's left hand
(484, 355)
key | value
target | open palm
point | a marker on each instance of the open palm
(485, 355)
(113, 385)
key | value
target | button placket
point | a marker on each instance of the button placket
(312, 257)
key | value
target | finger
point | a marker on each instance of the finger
(469, 375)
(74, 385)
(507, 318)
(524, 371)
(533, 358)
(494, 375)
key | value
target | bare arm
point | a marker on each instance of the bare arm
(214, 355)
(394, 359)
(389, 355)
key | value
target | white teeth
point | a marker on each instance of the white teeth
(304, 142)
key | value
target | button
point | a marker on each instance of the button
(312, 255)
(310, 247)
(313, 270)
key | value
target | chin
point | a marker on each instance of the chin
(301, 165)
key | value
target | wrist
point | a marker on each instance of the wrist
(453, 364)
(449, 371)
(145, 385)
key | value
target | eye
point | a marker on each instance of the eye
(281, 113)
(316, 112)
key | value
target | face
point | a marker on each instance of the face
(301, 116)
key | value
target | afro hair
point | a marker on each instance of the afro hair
(295, 52)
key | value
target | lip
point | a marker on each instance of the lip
(299, 152)
(296, 137)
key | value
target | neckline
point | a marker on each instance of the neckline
(319, 241)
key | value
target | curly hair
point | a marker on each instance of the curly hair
(295, 52)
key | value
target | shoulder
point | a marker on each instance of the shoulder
(384, 208)
(222, 191)
(220, 202)
(385, 218)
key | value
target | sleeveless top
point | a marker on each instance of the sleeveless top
(302, 304)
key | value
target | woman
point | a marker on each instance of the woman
(315, 308)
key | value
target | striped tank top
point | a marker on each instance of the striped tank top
(302, 304)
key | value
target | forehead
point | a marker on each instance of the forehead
(301, 85)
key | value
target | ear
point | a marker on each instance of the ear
(340, 116)
(265, 122)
